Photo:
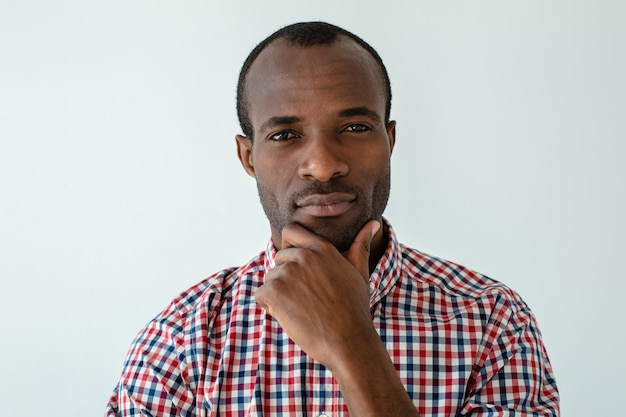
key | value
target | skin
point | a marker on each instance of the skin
(321, 158)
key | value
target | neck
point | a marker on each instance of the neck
(378, 246)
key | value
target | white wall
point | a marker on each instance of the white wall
(119, 184)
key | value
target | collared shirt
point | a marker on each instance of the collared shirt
(462, 344)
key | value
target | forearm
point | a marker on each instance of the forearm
(370, 384)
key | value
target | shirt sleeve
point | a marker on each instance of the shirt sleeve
(512, 376)
(155, 381)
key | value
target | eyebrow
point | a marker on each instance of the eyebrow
(279, 121)
(360, 111)
(272, 122)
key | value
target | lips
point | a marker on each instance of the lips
(326, 205)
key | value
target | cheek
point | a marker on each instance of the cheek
(272, 178)
(372, 165)
(273, 190)
(275, 174)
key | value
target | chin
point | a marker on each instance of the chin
(341, 236)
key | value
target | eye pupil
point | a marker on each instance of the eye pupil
(281, 136)
(356, 127)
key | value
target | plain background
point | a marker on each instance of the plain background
(120, 187)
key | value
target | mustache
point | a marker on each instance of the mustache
(323, 188)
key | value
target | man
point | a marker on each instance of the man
(335, 316)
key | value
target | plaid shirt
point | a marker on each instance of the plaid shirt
(461, 343)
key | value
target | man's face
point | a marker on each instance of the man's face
(321, 149)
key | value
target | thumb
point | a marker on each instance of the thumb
(359, 252)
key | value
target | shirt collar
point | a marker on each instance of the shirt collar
(384, 276)
(387, 271)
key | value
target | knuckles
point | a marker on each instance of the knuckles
(291, 258)
(275, 287)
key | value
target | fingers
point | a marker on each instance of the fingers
(359, 252)
(296, 236)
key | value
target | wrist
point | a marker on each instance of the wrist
(370, 383)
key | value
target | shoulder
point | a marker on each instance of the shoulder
(171, 350)
(205, 298)
(453, 281)
(189, 316)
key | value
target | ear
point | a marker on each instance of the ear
(244, 152)
(391, 133)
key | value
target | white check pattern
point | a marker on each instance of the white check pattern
(462, 344)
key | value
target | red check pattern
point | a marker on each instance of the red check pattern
(463, 345)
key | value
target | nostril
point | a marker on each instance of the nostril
(323, 167)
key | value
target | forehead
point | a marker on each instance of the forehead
(287, 78)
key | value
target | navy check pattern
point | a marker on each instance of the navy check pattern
(462, 344)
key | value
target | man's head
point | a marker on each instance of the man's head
(318, 113)
(304, 34)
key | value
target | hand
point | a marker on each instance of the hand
(319, 296)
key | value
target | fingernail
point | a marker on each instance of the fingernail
(375, 228)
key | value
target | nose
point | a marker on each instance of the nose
(321, 159)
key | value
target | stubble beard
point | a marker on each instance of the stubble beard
(368, 207)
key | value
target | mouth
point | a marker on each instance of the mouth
(326, 205)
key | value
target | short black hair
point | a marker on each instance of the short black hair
(304, 34)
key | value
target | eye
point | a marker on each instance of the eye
(282, 136)
(357, 127)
